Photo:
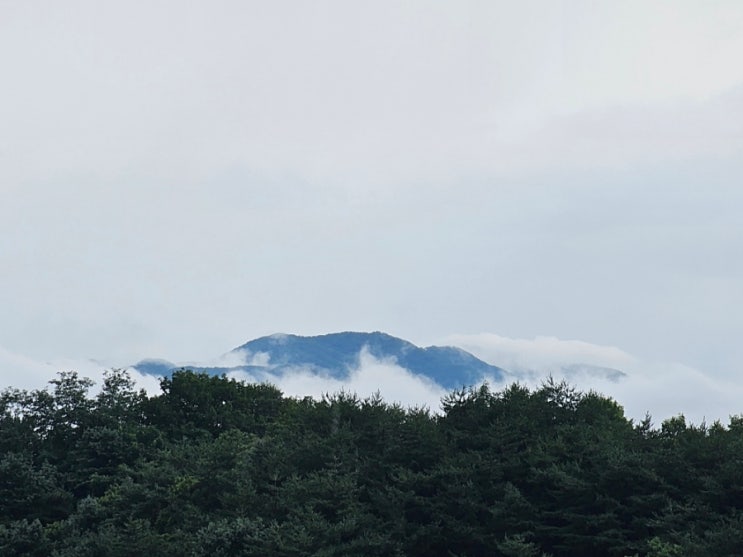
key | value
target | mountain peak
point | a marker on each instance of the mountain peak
(338, 353)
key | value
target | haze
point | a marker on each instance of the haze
(177, 178)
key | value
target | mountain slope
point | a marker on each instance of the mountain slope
(337, 355)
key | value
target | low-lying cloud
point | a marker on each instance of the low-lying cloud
(21, 372)
(371, 375)
(541, 353)
(661, 389)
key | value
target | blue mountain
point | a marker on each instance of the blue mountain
(153, 366)
(337, 354)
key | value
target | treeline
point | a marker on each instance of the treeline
(214, 467)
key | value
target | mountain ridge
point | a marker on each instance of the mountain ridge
(337, 354)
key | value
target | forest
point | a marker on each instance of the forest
(211, 466)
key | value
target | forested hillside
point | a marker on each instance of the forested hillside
(213, 467)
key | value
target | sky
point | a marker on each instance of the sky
(177, 178)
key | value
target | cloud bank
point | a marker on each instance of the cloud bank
(541, 353)
(661, 389)
(22, 372)
(370, 375)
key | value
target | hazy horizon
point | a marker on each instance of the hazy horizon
(537, 180)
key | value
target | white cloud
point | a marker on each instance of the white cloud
(407, 94)
(540, 353)
(19, 371)
(22, 372)
(371, 375)
(662, 389)
(175, 178)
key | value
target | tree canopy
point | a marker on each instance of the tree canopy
(212, 466)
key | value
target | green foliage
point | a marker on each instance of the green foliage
(660, 548)
(212, 466)
(29, 491)
(197, 404)
(517, 546)
(23, 538)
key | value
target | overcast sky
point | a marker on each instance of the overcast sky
(179, 177)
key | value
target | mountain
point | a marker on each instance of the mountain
(575, 372)
(154, 366)
(337, 354)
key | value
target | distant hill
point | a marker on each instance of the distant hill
(153, 366)
(337, 354)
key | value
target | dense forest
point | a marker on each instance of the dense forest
(215, 467)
